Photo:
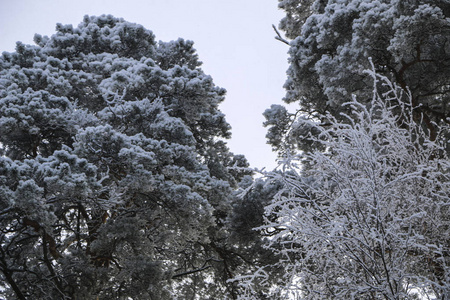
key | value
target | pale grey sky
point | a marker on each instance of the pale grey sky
(234, 39)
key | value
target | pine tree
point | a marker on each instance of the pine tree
(333, 40)
(115, 180)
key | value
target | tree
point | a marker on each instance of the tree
(115, 181)
(333, 40)
(370, 218)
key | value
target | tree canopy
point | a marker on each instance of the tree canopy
(115, 179)
(363, 212)
(332, 42)
(366, 216)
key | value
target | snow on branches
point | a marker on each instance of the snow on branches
(368, 218)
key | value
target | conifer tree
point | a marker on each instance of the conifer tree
(115, 180)
(331, 43)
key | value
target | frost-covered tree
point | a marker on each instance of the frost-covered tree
(331, 41)
(370, 218)
(115, 180)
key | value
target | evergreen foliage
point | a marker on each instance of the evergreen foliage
(332, 42)
(115, 180)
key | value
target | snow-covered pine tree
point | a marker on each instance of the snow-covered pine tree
(331, 42)
(115, 181)
(369, 218)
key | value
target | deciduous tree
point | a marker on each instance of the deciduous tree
(369, 219)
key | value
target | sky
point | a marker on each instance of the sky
(234, 40)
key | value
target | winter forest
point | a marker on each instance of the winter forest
(116, 181)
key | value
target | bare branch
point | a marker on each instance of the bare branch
(279, 37)
(190, 272)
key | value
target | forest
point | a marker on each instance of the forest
(116, 181)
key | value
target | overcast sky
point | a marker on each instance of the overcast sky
(234, 39)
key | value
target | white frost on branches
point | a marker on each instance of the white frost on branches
(368, 218)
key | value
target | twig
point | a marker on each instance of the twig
(190, 272)
(279, 37)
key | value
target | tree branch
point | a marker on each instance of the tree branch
(9, 278)
(190, 272)
(279, 37)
